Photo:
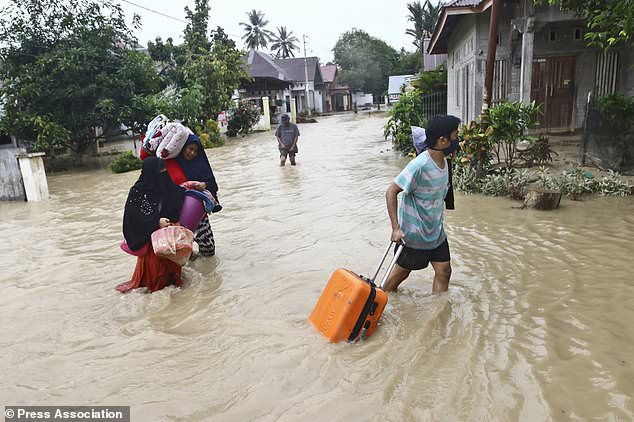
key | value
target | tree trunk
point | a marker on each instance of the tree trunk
(542, 199)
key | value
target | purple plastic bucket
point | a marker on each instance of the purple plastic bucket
(192, 212)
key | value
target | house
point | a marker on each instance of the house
(339, 97)
(283, 79)
(541, 56)
(395, 86)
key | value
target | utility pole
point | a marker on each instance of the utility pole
(306, 75)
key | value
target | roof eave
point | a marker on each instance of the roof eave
(451, 11)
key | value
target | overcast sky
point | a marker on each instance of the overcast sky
(322, 21)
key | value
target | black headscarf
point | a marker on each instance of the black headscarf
(152, 197)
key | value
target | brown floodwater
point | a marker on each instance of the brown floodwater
(537, 324)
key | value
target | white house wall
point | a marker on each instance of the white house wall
(462, 56)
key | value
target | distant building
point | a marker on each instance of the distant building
(395, 86)
(283, 79)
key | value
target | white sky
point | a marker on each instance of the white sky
(322, 21)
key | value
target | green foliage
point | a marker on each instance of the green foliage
(576, 183)
(407, 63)
(616, 112)
(365, 62)
(431, 80)
(612, 185)
(199, 77)
(210, 135)
(510, 121)
(407, 112)
(424, 16)
(68, 68)
(502, 182)
(285, 43)
(244, 117)
(475, 145)
(255, 35)
(609, 22)
(125, 162)
(466, 179)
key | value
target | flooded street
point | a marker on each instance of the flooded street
(537, 324)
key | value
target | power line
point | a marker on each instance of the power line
(154, 11)
(170, 17)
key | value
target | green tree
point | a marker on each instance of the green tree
(424, 16)
(284, 43)
(201, 75)
(609, 22)
(69, 68)
(254, 33)
(407, 63)
(365, 62)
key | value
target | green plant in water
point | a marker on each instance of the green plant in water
(475, 145)
(612, 185)
(125, 162)
(244, 117)
(407, 112)
(210, 135)
(466, 179)
(510, 121)
(575, 183)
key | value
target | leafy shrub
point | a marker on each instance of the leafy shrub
(244, 117)
(210, 134)
(510, 121)
(407, 112)
(575, 183)
(611, 184)
(617, 112)
(475, 145)
(431, 80)
(125, 162)
(466, 179)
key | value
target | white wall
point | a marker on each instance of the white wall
(462, 70)
(362, 98)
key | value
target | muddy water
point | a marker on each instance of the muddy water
(537, 324)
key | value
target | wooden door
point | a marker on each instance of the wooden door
(553, 86)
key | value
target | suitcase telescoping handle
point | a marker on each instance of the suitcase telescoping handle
(390, 267)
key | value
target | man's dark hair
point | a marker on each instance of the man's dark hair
(440, 125)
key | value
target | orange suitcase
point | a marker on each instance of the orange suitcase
(351, 305)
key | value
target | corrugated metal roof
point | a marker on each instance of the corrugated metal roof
(463, 3)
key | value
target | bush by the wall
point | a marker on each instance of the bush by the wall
(125, 162)
(244, 117)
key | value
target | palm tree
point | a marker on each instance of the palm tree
(254, 32)
(424, 18)
(285, 43)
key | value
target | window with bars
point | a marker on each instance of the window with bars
(500, 81)
(606, 74)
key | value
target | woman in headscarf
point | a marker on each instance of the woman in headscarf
(195, 165)
(153, 202)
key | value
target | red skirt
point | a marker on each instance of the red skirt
(152, 272)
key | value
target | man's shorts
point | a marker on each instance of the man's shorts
(285, 152)
(417, 259)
